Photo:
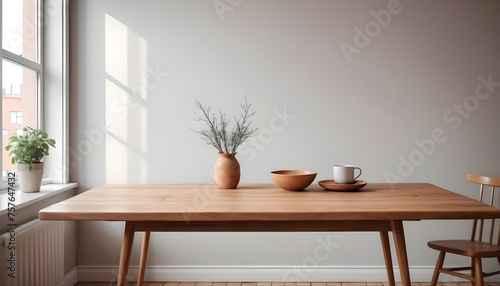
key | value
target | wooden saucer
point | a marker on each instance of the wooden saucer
(330, 185)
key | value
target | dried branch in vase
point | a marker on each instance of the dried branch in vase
(219, 134)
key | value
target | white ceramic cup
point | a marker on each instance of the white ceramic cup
(344, 174)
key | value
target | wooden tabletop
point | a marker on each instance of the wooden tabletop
(266, 202)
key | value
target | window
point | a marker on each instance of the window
(22, 78)
(21, 69)
(20, 28)
(16, 117)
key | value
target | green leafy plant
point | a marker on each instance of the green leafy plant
(219, 133)
(30, 147)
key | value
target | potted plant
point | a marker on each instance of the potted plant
(226, 140)
(27, 152)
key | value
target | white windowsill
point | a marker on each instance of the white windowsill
(25, 199)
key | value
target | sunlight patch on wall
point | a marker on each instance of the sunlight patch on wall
(126, 95)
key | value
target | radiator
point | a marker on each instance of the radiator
(39, 254)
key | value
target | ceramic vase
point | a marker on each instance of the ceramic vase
(227, 171)
(30, 180)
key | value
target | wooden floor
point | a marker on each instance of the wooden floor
(273, 284)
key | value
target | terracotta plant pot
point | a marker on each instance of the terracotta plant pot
(227, 171)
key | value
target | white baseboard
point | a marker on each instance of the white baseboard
(256, 274)
(70, 279)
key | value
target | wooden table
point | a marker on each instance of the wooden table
(266, 207)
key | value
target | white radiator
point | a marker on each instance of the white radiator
(39, 254)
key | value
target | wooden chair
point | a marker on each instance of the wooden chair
(478, 247)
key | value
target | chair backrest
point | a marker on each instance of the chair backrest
(479, 228)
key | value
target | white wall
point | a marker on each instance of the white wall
(138, 66)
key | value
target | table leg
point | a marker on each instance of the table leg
(144, 257)
(386, 247)
(400, 244)
(128, 241)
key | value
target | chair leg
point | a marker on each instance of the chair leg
(478, 271)
(473, 271)
(439, 266)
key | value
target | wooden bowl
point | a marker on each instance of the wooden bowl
(293, 180)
